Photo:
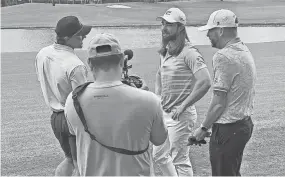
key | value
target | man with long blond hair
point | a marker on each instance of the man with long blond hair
(182, 79)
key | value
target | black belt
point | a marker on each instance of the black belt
(57, 112)
(236, 122)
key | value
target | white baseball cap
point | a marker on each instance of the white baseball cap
(174, 15)
(103, 39)
(221, 18)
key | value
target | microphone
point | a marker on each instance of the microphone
(129, 53)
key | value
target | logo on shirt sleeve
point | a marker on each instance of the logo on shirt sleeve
(199, 61)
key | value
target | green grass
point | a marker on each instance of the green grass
(250, 12)
(28, 146)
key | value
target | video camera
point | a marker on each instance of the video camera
(131, 80)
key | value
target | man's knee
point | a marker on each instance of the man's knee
(179, 148)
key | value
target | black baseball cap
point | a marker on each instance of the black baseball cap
(69, 26)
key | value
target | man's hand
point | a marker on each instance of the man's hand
(75, 170)
(200, 134)
(178, 112)
(144, 86)
(192, 140)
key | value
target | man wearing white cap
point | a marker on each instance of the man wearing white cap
(230, 111)
(116, 121)
(182, 79)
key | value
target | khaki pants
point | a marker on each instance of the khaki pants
(172, 157)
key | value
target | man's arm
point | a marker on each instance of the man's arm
(37, 60)
(72, 137)
(78, 76)
(224, 74)
(158, 83)
(216, 108)
(72, 144)
(201, 87)
(195, 61)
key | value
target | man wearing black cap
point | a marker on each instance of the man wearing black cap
(60, 71)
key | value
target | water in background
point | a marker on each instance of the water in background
(23, 40)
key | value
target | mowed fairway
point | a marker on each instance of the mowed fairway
(197, 11)
(28, 146)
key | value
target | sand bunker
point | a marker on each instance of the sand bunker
(118, 6)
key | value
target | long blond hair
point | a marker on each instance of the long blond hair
(179, 43)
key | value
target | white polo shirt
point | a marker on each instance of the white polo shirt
(120, 116)
(59, 71)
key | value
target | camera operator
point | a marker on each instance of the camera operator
(113, 122)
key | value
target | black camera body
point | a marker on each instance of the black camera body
(131, 80)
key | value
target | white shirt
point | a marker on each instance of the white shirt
(59, 71)
(120, 116)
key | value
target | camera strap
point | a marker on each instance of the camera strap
(75, 94)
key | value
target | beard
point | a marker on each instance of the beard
(168, 37)
(214, 43)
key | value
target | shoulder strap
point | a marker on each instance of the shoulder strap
(75, 94)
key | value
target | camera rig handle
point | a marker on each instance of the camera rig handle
(132, 80)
